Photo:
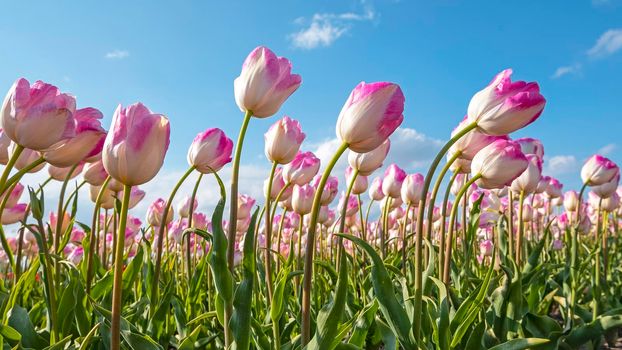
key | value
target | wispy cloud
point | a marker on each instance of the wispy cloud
(607, 150)
(322, 29)
(566, 70)
(117, 54)
(607, 44)
(562, 164)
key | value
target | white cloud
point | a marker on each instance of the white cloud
(607, 150)
(565, 70)
(324, 28)
(562, 164)
(608, 43)
(117, 54)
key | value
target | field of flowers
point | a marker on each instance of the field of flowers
(484, 251)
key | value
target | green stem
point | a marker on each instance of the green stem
(190, 219)
(117, 287)
(18, 175)
(5, 243)
(9, 166)
(437, 185)
(268, 252)
(521, 228)
(308, 268)
(94, 231)
(441, 239)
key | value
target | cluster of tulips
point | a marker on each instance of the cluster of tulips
(497, 257)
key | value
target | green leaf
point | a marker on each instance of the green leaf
(582, 334)
(363, 323)
(521, 344)
(19, 321)
(223, 280)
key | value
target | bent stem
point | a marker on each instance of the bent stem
(310, 249)
(441, 238)
(190, 219)
(268, 251)
(94, 231)
(9, 166)
(117, 287)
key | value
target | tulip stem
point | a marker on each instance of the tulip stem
(441, 239)
(268, 252)
(437, 185)
(190, 219)
(9, 165)
(574, 262)
(5, 243)
(94, 231)
(158, 265)
(18, 175)
(60, 219)
(521, 227)
(310, 249)
(420, 216)
(117, 287)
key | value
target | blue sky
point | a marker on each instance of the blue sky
(180, 59)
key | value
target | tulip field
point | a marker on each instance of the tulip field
(482, 251)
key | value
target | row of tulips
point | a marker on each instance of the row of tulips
(495, 258)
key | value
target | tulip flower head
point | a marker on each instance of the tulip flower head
(598, 170)
(302, 169)
(210, 151)
(283, 140)
(498, 164)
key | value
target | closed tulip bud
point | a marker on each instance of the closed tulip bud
(283, 140)
(155, 213)
(245, 206)
(107, 199)
(352, 206)
(375, 189)
(461, 166)
(392, 181)
(210, 151)
(302, 169)
(277, 184)
(412, 188)
(571, 201)
(607, 189)
(14, 196)
(486, 248)
(527, 182)
(554, 189)
(94, 173)
(200, 221)
(264, 83)
(86, 145)
(136, 195)
(505, 106)
(184, 207)
(38, 116)
(611, 203)
(322, 217)
(135, 147)
(5, 142)
(530, 145)
(302, 199)
(26, 158)
(370, 115)
(331, 188)
(498, 164)
(598, 170)
(64, 225)
(543, 184)
(60, 174)
(360, 183)
(471, 143)
(14, 214)
(115, 186)
(367, 163)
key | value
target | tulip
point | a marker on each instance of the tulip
(245, 206)
(136, 144)
(106, 201)
(370, 115)
(486, 248)
(505, 106)
(60, 174)
(360, 182)
(264, 83)
(367, 163)
(607, 189)
(393, 179)
(277, 184)
(94, 173)
(38, 116)
(468, 145)
(64, 225)
(210, 151)
(527, 182)
(302, 169)
(598, 170)
(5, 142)
(155, 212)
(554, 189)
(460, 165)
(543, 184)
(611, 203)
(352, 206)
(412, 188)
(87, 143)
(136, 195)
(27, 158)
(375, 189)
(529, 145)
(331, 188)
(557, 245)
(184, 207)
(498, 164)
(571, 201)
(283, 140)
(14, 214)
(14, 196)
(302, 198)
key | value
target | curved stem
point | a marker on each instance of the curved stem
(437, 185)
(5, 243)
(521, 228)
(268, 232)
(308, 268)
(190, 219)
(452, 220)
(9, 166)
(441, 239)
(94, 231)
(18, 175)
(510, 223)
(117, 287)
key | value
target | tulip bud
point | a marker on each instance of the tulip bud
(210, 151)
(155, 213)
(277, 184)
(607, 189)
(412, 188)
(94, 173)
(283, 140)
(498, 164)
(302, 199)
(543, 184)
(60, 174)
(598, 170)
(135, 147)
(370, 115)
(5, 142)
(264, 83)
(245, 206)
(14, 196)
(107, 199)
(505, 106)
(375, 190)
(529, 145)
(330, 188)
(486, 248)
(360, 183)
(571, 201)
(393, 179)
(14, 214)
(554, 188)
(183, 207)
(26, 158)
(352, 206)
(136, 195)
(38, 116)
(367, 163)
(471, 143)
(302, 169)
(527, 182)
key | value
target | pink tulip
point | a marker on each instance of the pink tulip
(571, 200)
(392, 181)
(471, 143)
(598, 170)
(106, 201)
(135, 147)
(460, 165)
(323, 214)
(302, 199)
(38, 116)
(14, 214)
(14, 196)
(498, 164)
(60, 174)
(302, 169)
(529, 145)
(277, 184)
(375, 189)
(155, 213)
(5, 142)
(94, 173)
(283, 140)
(611, 203)
(554, 189)
(184, 207)
(245, 206)
(86, 145)
(367, 163)
(543, 184)
(527, 182)
(64, 225)
(557, 245)
(352, 206)
(136, 195)
(210, 151)
(27, 157)
(264, 83)
(360, 183)
(486, 248)
(505, 106)
(370, 115)
(607, 189)
(200, 221)
(331, 188)
(412, 188)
